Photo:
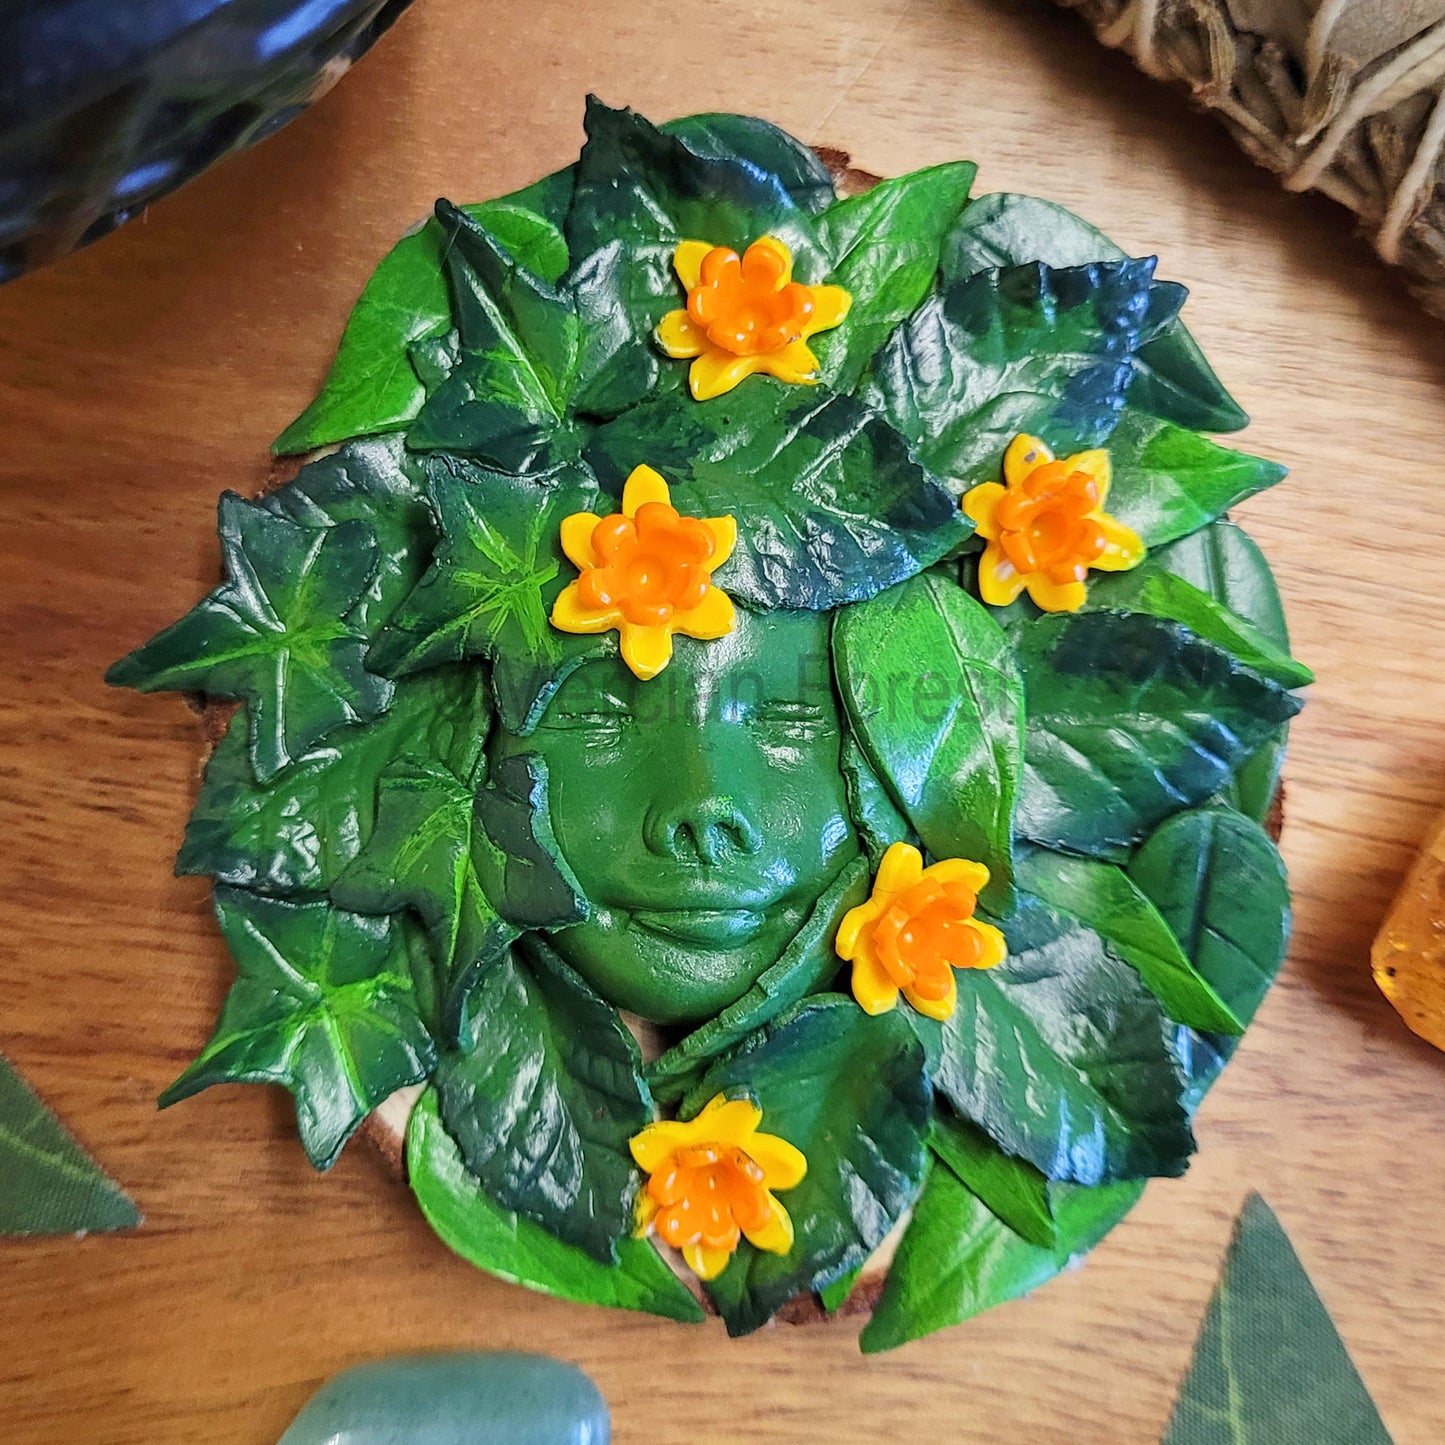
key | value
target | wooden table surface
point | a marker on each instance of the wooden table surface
(140, 378)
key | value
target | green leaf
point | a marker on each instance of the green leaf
(832, 1296)
(1068, 335)
(720, 136)
(299, 831)
(830, 505)
(1220, 884)
(1172, 379)
(804, 966)
(544, 1097)
(282, 633)
(934, 696)
(957, 1259)
(324, 1005)
(513, 1248)
(48, 1183)
(1103, 897)
(876, 817)
(489, 592)
(884, 246)
(849, 1090)
(1270, 1365)
(1130, 719)
(1011, 1188)
(1168, 482)
(1064, 1058)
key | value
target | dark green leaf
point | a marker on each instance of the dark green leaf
(1011, 1188)
(1064, 1058)
(1220, 884)
(830, 505)
(324, 1005)
(807, 963)
(48, 1183)
(878, 820)
(933, 694)
(1172, 379)
(1130, 719)
(1270, 1365)
(282, 633)
(849, 1090)
(1103, 897)
(543, 1098)
(720, 136)
(513, 1248)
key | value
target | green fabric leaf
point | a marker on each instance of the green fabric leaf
(957, 1259)
(1220, 884)
(807, 963)
(543, 1098)
(1172, 379)
(324, 1005)
(876, 817)
(282, 633)
(1270, 1365)
(1104, 897)
(933, 694)
(1064, 1058)
(513, 1248)
(491, 586)
(1011, 1188)
(884, 247)
(850, 1092)
(830, 505)
(1130, 719)
(1069, 335)
(1168, 482)
(720, 136)
(48, 1183)
(299, 831)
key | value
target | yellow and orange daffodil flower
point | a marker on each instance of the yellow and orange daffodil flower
(646, 571)
(746, 314)
(915, 930)
(1046, 527)
(710, 1184)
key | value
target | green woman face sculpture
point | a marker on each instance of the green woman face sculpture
(703, 812)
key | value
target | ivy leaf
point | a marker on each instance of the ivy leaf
(324, 1005)
(513, 1248)
(884, 246)
(804, 966)
(949, 744)
(1172, 379)
(544, 1098)
(830, 505)
(1130, 719)
(281, 633)
(1064, 1058)
(1220, 884)
(767, 149)
(1103, 897)
(299, 831)
(1011, 1188)
(491, 586)
(849, 1090)
(1069, 335)
(877, 819)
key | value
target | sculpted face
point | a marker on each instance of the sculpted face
(703, 812)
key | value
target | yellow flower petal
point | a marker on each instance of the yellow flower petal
(872, 987)
(901, 868)
(724, 538)
(793, 363)
(569, 614)
(1024, 453)
(1094, 464)
(855, 920)
(776, 1236)
(936, 1008)
(973, 876)
(980, 503)
(645, 1210)
(1125, 548)
(646, 650)
(577, 539)
(713, 617)
(999, 582)
(679, 335)
(1055, 596)
(706, 1263)
(657, 1143)
(830, 305)
(687, 262)
(642, 485)
(717, 371)
(726, 1121)
(995, 945)
(783, 1166)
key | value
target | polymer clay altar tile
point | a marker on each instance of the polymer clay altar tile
(806, 625)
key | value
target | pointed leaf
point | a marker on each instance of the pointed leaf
(1010, 1187)
(877, 818)
(763, 146)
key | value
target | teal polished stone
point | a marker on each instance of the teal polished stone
(463, 1399)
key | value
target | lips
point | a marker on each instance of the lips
(708, 927)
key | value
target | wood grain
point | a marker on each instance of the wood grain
(140, 378)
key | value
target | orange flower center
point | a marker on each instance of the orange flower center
(1047, 524)
(924, 934)
(651, 565)
(744, 304)
(709, 1194)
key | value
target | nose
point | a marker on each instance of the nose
(707, 830)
